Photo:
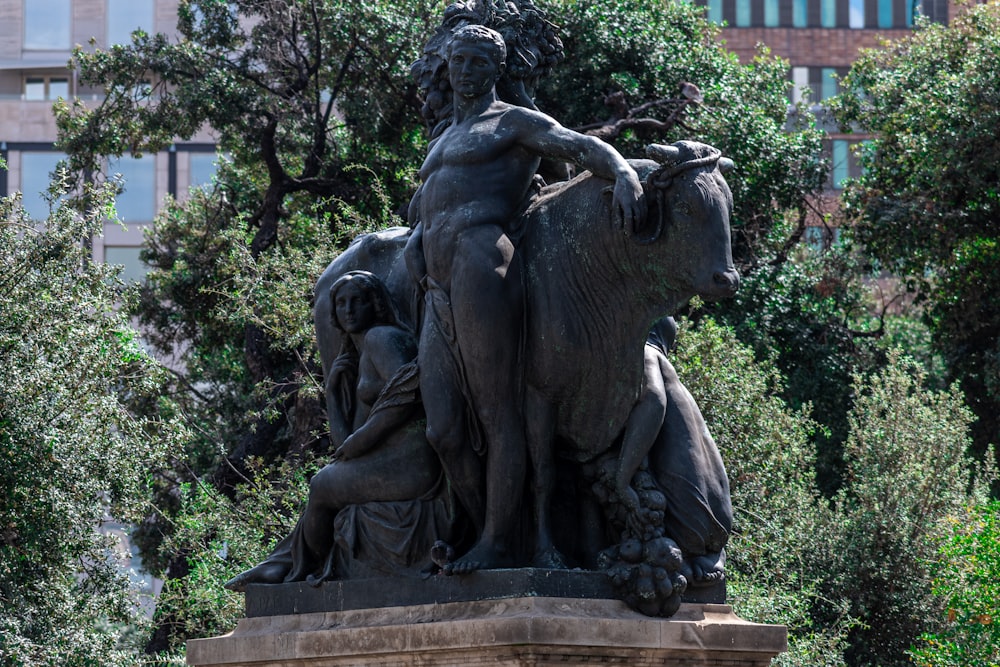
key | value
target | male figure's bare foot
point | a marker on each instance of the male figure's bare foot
(549, 559)
(480, 557)
(708, 569)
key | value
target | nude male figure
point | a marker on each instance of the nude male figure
(476, 181)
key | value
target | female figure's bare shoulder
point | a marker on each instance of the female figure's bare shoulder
(390, 342)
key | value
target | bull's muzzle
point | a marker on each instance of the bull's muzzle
(726, 282)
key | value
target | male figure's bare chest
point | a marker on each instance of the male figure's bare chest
(476, 142)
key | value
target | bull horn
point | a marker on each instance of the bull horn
(726, 165)
(662, 153)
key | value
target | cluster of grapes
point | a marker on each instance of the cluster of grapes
(646, 568)
(533, 47)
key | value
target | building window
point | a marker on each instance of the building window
(126, 16)
(46, 87)
(743, 14)
(828, 13)
(133, 268)
(823, 13)
(935, 10)
(841, 163)
(819, 83)
(800, 84)
(772, 14)
(822, 238)
(37, 170)
(714, 11)
(828, 83)
(35, 89)
(137, 203)
(47, 24)
(845, 162)
(202, 169)
(857, 14)
(800, 13)
(885, 13)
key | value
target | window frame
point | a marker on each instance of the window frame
(46, 81)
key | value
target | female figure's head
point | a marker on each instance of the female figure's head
(361, 301)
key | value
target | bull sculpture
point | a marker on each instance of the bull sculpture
(593, 292)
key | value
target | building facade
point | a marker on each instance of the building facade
(820, 39)
(37, 38)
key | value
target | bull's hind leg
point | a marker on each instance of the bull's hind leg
(540, 422)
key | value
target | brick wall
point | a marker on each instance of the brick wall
(805, 47)
(814, 46)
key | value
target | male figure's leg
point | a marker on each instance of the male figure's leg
(488, 305)
(445, 407)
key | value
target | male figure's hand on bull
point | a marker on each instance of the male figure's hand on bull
(628, 203)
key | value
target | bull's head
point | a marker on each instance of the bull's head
(690, 196)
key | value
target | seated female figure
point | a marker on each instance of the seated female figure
(383, 471)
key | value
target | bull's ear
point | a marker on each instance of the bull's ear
(663, 154)
(725, 165)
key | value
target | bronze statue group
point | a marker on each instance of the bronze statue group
(485, 365)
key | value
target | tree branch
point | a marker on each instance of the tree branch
(625, 118)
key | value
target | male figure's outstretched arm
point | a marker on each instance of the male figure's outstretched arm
(544, 136)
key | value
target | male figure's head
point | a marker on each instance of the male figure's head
(477, 57)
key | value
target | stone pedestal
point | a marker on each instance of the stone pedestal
(526, 618)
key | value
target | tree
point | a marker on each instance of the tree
(927, 205)
(813, 314)
(968, 579)
(72, 452)
(299, 93)
(853, 579)
(907, 474)
(775, 571)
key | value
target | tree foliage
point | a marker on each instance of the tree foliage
(907, 473)
(854, 579)
(927, 204)
(968, 582)
(772, 574)
(645, 52)
(814, 316)
(301, 89)
(73, 455)
(219, 535)
(297, 93)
